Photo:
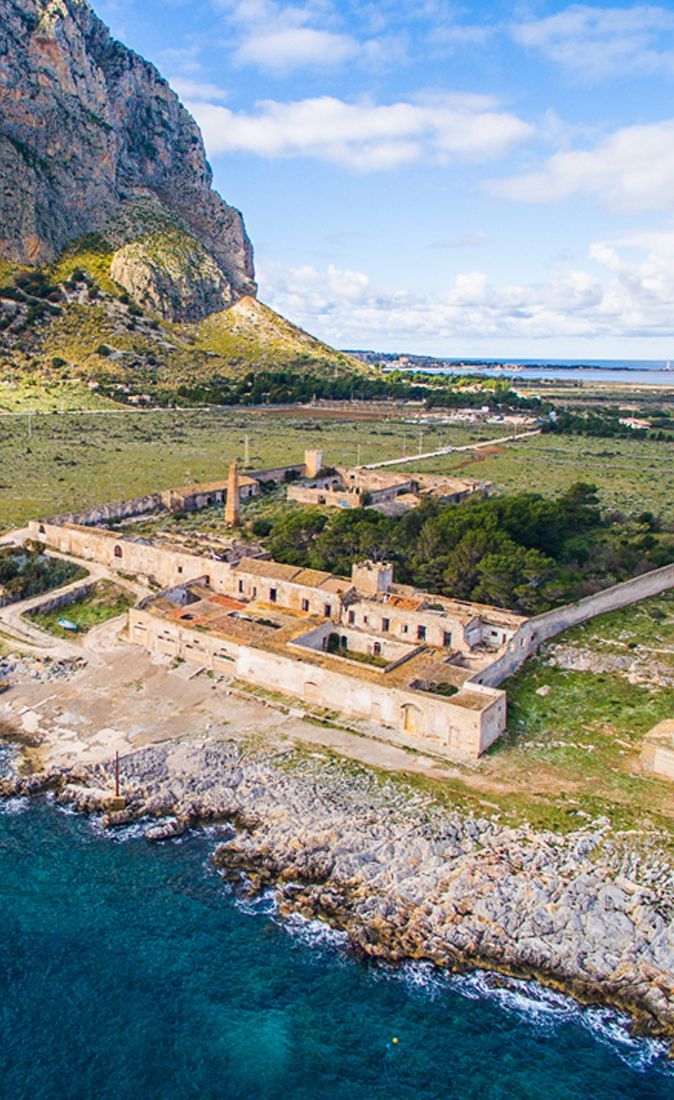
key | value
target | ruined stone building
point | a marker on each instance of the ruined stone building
(389, 492)
(419, 668)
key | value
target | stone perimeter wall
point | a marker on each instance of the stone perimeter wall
(543, 627)
(114, 510)
(165, 499)
(164, 567)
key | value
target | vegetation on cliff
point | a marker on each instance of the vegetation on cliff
(72, 320)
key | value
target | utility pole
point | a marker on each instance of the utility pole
(421, 440)
(246, 451)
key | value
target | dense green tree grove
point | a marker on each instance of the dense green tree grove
(25, 573)
(523, 551)
(279, 387)
(605, 424)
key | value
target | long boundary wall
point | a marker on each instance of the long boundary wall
(164, 499)
(165, 567)
(113, 510)
(543, 627)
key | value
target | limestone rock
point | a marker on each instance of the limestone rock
(173, 276)
(88, 131)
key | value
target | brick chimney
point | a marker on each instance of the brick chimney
(233, 505)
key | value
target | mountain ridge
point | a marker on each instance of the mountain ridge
(94, 140)
(119, 261)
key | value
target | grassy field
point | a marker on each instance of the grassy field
(105, 602)
(575, 750)
(77, 460)
(572, 755)
(632, 474)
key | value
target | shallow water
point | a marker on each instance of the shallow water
(130, 971)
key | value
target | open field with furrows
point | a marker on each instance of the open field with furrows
(632, 475)
(572, 753)
(58, 463)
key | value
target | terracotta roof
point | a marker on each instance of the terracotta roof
(270, 570)
(406, 603)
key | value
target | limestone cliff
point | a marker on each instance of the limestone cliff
(93, 140)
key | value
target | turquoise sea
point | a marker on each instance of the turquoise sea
(129, 971)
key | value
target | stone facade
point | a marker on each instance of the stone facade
(363, 646)
(290, 653)
(349, 487)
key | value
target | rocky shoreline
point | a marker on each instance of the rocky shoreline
(587, 912)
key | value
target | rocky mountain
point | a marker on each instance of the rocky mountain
(120, 266)
(93, 140)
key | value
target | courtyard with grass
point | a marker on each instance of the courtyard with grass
(105, 601)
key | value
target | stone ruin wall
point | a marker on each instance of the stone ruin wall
(462, 731)
(541, 628)
(113, 510)
(162, 566)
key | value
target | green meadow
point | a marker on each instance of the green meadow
(52, 462)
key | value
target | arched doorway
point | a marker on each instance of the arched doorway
(411, 716)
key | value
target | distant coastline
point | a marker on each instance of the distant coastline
(651, 372)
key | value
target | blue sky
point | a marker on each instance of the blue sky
(482, 179)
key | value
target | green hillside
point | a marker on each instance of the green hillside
(71, 322)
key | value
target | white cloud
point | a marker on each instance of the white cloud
(197, 89)
(281, 38)
(365, 135)
(629, 297)
(283, 49)
(631, 169)
(600, 41)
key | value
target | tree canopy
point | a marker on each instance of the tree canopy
(523, 550)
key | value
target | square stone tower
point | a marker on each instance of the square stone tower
(371, 578)
(313, 463)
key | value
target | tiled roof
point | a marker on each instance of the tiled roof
(270, 570)
(406, 603)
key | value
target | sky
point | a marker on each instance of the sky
(482, 179)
